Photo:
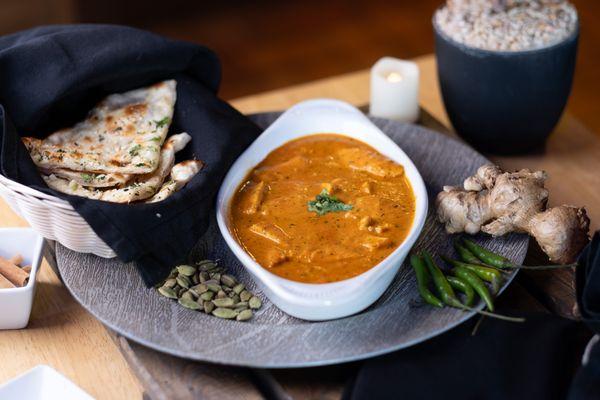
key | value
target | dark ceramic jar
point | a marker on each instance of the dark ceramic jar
(505, 102)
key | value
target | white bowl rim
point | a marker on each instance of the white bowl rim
(267, 277)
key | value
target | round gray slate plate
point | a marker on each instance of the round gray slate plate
(115, 294)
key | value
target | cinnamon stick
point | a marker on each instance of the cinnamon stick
(13, 273)
(17, 259)
(5, 283)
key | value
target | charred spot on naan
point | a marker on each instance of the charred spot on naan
(136, 109)
(129, 130)
(116, 163)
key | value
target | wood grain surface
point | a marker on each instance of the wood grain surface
(63, 335)
(573, 180)
(180, 379)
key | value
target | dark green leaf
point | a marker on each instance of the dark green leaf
(162, 122)
(135, 150)
(325, 203)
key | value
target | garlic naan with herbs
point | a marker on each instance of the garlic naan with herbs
(139, 188)
(91, 179)
(123, 134)
(181, 174)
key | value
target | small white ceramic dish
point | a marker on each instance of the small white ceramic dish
(42, 383)
(15, 303)
(329, 300)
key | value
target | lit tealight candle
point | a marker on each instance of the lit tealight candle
(393, 77)
(395, 90)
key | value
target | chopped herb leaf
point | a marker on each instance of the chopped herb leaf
(325, 203)
(140, 165)
(135, 150)
(156, 139)
(87, 178)
(162, 122)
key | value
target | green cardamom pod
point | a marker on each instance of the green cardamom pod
(226, 313)
(167, 292)
(191, 304)
(239, 288)
(224, 302)
(255, 303)
(244, 315)
(186, 270)
(228, 280)
(245, 295)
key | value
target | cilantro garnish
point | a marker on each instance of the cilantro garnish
(162, 122)
(135, 150)
(325, 203)
(87, 178)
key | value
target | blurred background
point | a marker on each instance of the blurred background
(265, 45)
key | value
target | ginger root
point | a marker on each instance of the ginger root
(498, 202)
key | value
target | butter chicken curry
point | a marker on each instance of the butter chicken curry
(322, 208)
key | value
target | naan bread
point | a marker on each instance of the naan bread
(122, 134)
(139, 188)
(91, 179)
(181, 174)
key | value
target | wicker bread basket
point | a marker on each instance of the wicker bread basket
(53, 218)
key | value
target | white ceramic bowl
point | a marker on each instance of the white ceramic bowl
(329, 300)
(15, 303)
(42, 383)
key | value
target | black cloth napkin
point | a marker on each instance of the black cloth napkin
(588, 283)
(532, 360)
(538, 359)
(51, 76)
(587, 382)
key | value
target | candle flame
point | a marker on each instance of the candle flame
(394, 77)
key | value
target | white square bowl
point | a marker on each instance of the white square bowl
(15, 303)
(322, 301)
(42, 383)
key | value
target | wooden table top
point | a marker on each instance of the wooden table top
(63, 335)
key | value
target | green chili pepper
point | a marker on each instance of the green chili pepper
(477, 284)
(486, 273)
(447, 293)
(487, 256)
(465, 254)
(423, 281)
(459, 284)
(489, 274)
(497, 261)
(441, 283)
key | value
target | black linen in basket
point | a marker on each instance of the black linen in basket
(51, 76)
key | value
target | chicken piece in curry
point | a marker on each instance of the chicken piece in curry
(322, 208)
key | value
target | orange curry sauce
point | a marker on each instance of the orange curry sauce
(270, 217)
